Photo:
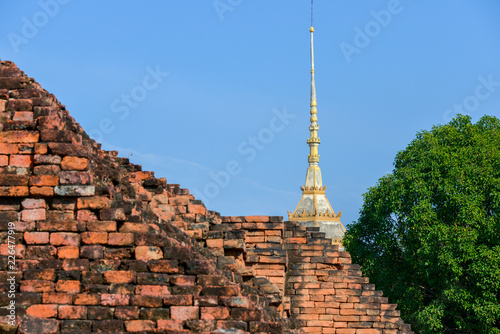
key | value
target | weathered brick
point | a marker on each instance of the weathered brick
(32, 203)
(104, 226)
(86, 299)
(60, 226)
(94, 202)
(74, 190)
(36, 237)
(169, 325)
(94, 238)
(127, 313)
(92, 252)
(32, 325)
(164, 266)
(74, 178)
(47, 159)
(4, 160)
(13, 180)
(64, 239)
(120, 277)
(57, 298)
(140, 325)
(178, 300)
(14, 191)
(33, 215)
(44, 180)
(114, 299)
(112, 214)
(147, 253)
(72, 312)
(68, 252)
(42, 311)
(214, 313)
(37, 286)
(146, 301)
(21, 160)
(19, 136)
(41, 191)
(68, 286)
(121, 239)
(152, 290)
(182, 313)
(74, 163)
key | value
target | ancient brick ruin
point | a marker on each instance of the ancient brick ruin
(102, 246)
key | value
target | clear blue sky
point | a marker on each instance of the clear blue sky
(384, 71)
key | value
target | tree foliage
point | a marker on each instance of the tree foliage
(429, 233)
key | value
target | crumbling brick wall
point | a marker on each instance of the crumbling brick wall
(102, 246)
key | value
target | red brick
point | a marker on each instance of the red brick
(114, 299)
(101, 226)
(134, 228)
(214, 313)
(179, 200)
(94, 202)
(94, 238)
(169, 325)
(197, 209)
(21, 160)
(86, 299)
(37, 286)
(41, 148)
(33, 215)
(180, 300)
(183, 280)
(13, 180)
(121, 239)
(36, 237)
(68, 286)
(215, 243)
(152, 290)
(74, 163)
(72, 312)
(119, 276)
(112, 214)
(23, 116)
(146, 253)
(14, 191)
(64, 239)
(140, 325)
(183, 313)
(146, 301)
(8, 148)
(164, 266)
(59, 225)
(68, 252)
(257, 219)
(4, 160)
(41, 191)
(127, 312)
(32, 203)
(86, 216)
(57, 298)
(44, 180)
(42, 311)
(19, 136)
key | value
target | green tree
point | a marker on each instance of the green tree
(429, 233)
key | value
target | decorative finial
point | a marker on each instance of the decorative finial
(313, 140)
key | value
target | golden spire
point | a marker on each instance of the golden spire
(313, 140)
(314, 209)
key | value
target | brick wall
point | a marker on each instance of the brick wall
(102, 246)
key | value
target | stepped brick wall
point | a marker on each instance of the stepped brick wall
(101, 246)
